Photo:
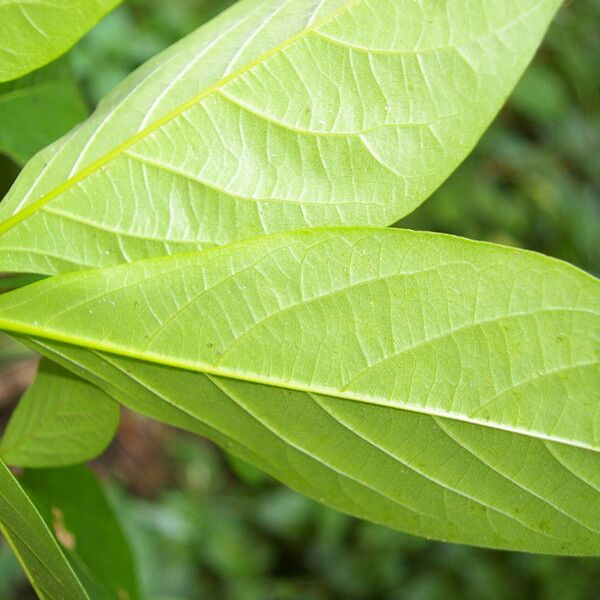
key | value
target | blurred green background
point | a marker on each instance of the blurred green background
(203, 524)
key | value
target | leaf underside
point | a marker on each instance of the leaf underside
(277, 115)
(34, 33)
(439, 386)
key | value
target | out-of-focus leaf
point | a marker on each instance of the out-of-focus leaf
(60, 420)
(24, 529)
(11, 349)
(540, 95)
(38, 109)
(443, 387)
(11, 282)
(74, 505)
(276, 115)
(34, 33)
(8, 173)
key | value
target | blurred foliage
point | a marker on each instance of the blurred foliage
(205, 525)
(37, 109)
(534, 179)
(518, 191)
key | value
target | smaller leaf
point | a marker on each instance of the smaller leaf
(36, 549)
(61, 420)
(73, 503)
(37, 109)
(32, 34)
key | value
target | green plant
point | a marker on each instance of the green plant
(34, 33)
(443, 387)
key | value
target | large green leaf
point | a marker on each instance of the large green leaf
(38, 552)
(73, 503)
(61, 420)
(440, 386)
(35, 32)
(37, 110)
(277, 115)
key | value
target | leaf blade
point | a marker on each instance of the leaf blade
(254, 423)
(233, 169)
(216, 326)
(150, 334)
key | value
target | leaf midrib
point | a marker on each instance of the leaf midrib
(95, 166)
(328, 465)
(38, 332)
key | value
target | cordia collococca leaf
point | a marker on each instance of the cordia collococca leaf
(277, 115)
(35, 32)
(439, 386)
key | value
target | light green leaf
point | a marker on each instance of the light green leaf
(35, 32)
(277, 115)
(440, 386)
(38, 109)
(73, 503)
(38, 552)
(61, 420)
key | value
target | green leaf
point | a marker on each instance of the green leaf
(38, 109)
(12, 351)
(38, 552)
(277, 115)
(10, 282)
(60, 420)
(8, 173)
(439, 386)
(73, 503)
(35, 32)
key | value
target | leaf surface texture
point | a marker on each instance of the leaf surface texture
(277, 115)
(443, 387)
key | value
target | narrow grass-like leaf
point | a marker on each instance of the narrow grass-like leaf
(277, 115)
(38, 109)
(440, 386)
(61, 420)
(38, 552)
(35, 32)
(73, 503)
